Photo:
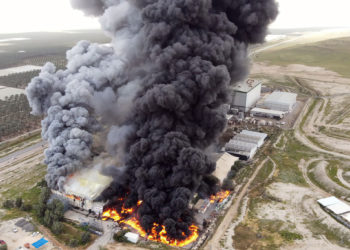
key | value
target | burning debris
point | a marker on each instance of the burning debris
(158, 232)
(220, 196)
(155, 97)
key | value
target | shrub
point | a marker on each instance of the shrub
(8, 204)
(289, 236)
(73, 243)
(26, 207)
(85, 238)
(120, 236)
(19, 202)
(57, 227)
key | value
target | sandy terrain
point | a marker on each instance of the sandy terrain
(15, 240)
(322, 177)
(297, 207)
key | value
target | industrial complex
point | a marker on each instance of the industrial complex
(268, 108)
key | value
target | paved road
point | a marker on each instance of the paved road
(20, 152)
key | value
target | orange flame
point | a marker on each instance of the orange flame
(154, 235)
(73, 197)
(219, 197)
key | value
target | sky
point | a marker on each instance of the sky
(56, 15)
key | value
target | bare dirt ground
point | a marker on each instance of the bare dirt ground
(299, 206)
(121, 246)
(21, 237)
(341, 178)
(325, 81)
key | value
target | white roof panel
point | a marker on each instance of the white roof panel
(329, 201)
(253, 133)
(281, 97)
(339, 208)
(346, 217)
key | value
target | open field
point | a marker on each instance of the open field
(332, 54)
(6, 92)
(20, 69)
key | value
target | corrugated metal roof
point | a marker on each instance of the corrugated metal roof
(328, 201)
(253, 133)
(339, 208)
(281, 97)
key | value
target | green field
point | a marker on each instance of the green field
(331, 54)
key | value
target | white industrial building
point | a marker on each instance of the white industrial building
(82, 189)
(224, 162)
(261, 136)
(241, 148)
(281, 101)
(246, 94)
(260, 112)
(245, 144)
(337, 209)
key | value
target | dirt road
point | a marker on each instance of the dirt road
(20, 153)
(214, 243)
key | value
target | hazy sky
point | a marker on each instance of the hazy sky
(54, 15)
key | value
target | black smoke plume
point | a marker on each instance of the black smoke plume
(157, 92)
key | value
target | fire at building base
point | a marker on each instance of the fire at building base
(82, 192)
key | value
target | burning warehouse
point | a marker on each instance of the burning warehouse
(154, 98)
(84, 188)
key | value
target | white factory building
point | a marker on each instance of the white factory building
(245, 144)
(280, 101)
(82, 190)
(337, 209)
(246, 94)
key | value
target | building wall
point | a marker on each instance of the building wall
(253, 97)
(245, 101)
(239, 100)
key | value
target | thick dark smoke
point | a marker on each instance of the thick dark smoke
(159, 91)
